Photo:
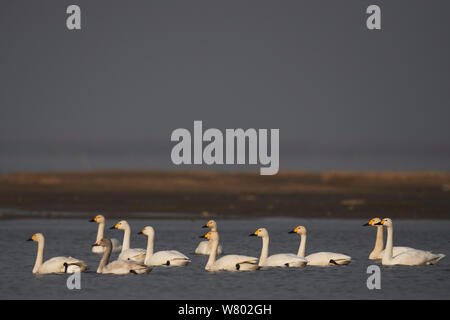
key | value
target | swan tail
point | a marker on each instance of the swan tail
(74, 267)
(439, 257)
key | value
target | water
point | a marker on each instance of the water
(74, 237)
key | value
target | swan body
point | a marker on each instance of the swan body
(116, 246)
(204, 247)
(127, 253)
(412, 257)
(319, 258)
(167, 257)
(276, 260)
(378, 251)
(118, 266)
(56, 264)
(231, 262)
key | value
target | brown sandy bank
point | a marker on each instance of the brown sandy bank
(301, 194)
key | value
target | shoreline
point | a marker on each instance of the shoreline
(203, 194)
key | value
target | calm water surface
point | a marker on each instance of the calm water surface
(74, 237)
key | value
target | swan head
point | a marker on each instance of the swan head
(212, 235)
(148, 231)
(103, 242)
(36, 237)
(372, 222)
(261, 232)
(385, 222)
(121, 225)
(99, 219)
(210, 224)
(300, 230)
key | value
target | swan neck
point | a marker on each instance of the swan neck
(126, 238)
(379, 242)
(150, 244)
(212, 253)
(389, 243)
(302, 246)
(105, 259)
(264, 250)
(40, 256)
(100, 231)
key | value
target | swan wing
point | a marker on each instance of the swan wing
(56, 265)
(416, 257)
(168, 257)
(125, 267)
(327, 258)
(284, 260)
(202, 248)
(137, 255)
(234, 262)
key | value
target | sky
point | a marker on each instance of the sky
(110, 95)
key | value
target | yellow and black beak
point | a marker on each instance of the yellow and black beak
(379, 223)
(366, 224)
(294, 231)
(253, 234)
(206, 236)
(116, 226)
(205, 226)
(141, 232)
(92, 220)
(31, 239)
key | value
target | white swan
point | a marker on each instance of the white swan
(276, 260)
(128, 253)
(411, 257)
(118, 266)
(378, 251)
(319, 258)
(204, 247)
(56, 264)
(116, 246)
(231, 262)
(167, 257)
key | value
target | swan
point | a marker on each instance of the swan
(276, 260)
(116, 246)
(56, 264)
(168, 257)
(378, 251)
(319, 258)
(127, 253)
(413, 257)
(204, 247)
(231, 262)
(118, 266)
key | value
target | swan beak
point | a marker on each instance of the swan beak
(366, 224)
(252, 234)
(29, 239)
(379, 223)
(92, 220)
(292, 231)
(205, 226)
(140, 232)
(202, 237)
(95, 245)
(113, 227)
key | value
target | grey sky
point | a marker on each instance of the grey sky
(140, 69)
